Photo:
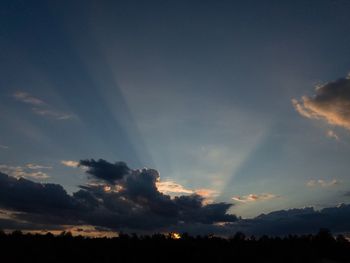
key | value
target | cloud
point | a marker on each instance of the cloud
(40, 107)
(68, 163)
(332, 134)
(331, 102)
(117, 198)
(279, 223)
(27, 98)
(84, 230)
(26, 171)
(53, 114)
(254, 197)
(3, 147)
(23, 195)
(171, 187)
(134, 204)
(207, 194)
(299, 221)
(102, 169)
(34, 166)
(322, 183)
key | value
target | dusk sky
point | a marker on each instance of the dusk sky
(237, 107)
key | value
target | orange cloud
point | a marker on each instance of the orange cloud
(173, 188)
(168, 187)
(83, 230)
(254, 197)
(206, 193)
(69, 163)
(331, 103)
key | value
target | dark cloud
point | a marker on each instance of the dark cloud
(124, 199)
(193, 211)
(133, 203)
(102, 169)
(142, 183)
(301, 221)
(279, 223)
(331, 102)
(24, 195)
(21, 225)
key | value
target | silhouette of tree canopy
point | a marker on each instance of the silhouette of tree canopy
(322, 247)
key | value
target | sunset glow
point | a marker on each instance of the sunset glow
(187, 116)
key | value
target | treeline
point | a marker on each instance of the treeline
(322, 247)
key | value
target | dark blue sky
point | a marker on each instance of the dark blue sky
(209, 93)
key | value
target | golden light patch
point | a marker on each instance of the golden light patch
(168, 187)
(254, 197)
(175, 235)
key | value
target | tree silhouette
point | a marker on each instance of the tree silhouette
(322, 247)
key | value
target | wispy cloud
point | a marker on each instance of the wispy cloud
(27, 171)
(254, 197)
(208, 194)
(169, 187)
(53, 114)
(332, 134)
(322, 183)
(70, 163)
(27, 98)
(40, 107)
(3, 146)
(34, 166)
(172, 188)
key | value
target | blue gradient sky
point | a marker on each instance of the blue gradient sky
(199, 90)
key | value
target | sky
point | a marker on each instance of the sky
(148, 109)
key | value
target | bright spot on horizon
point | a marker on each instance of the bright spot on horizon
(175, 235)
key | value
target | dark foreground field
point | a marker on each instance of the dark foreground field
(323, 247)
